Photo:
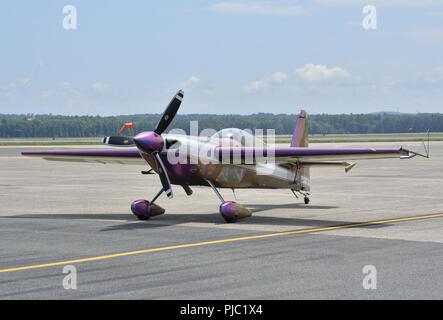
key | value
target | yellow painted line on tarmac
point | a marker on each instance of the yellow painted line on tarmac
(228, 240)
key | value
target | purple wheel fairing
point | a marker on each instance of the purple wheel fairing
(227, 209)
(140, 207)
(231, 210)
(144, 210)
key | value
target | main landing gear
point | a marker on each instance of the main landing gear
(145, 210)
(304, 194)
(230, 211)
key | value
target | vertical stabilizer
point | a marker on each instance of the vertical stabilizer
(300, 135)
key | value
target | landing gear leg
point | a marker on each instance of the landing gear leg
(156, 196)
(230, 211)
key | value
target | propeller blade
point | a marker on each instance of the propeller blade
(118, 141)
(164, 178)
(169, 113)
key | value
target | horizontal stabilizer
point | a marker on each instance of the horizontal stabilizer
(348, 165)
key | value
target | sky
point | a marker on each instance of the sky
(241, 57)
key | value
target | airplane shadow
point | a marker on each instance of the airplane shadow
(75, 216)
(264, 207)
(209, 218)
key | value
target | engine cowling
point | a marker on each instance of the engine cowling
(144, 210)
(232, 211)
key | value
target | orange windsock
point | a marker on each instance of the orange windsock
(127, 125)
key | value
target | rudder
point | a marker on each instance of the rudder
(300, 135)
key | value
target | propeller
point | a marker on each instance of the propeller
(169, 113)
(151, 142)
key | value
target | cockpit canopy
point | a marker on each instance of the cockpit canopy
(233, 137)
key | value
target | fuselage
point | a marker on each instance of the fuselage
(184, 167)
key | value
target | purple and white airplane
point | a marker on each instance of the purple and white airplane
(231, 158)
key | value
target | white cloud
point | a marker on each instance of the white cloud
(257, 8)
(319, 72)
(192, 82)
(196, 83)
(276, 78)
(279, 77)
(255, 86)
(100, 87)
(311, 74)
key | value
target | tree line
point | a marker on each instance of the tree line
(55, 126)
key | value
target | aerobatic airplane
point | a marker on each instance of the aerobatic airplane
(231, 158)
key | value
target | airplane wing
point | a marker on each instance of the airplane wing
(119, 156)
(242, 155)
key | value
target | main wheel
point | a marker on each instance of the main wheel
(231, 220)
(307, 200)
(143, 218)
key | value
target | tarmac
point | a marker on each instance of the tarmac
(386, 214)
